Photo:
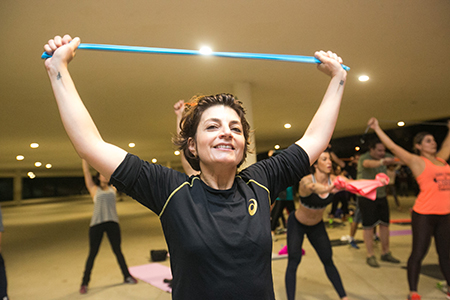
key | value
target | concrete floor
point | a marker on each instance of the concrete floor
(45, 247)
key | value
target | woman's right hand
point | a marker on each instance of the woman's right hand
(178, 108)
(62, 50)
(373, 123)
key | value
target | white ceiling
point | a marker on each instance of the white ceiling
(403, 45)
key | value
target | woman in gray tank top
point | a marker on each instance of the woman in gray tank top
(104, 219)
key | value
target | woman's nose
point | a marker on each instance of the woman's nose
(225, 131)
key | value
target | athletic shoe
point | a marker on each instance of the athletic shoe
(280, 230)
(83, 289)
(442, 286)
(353, 244)
(414, 296)
(389, 258)
(372, 261)
(130, 280)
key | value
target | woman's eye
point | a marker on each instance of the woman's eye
(236, 129)
(210, 127)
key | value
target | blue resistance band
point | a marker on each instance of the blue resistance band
(279, 57)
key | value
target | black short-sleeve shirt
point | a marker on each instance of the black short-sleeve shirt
(219, 240)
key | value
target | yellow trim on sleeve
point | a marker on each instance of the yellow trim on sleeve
(173, 193)
(258, 184)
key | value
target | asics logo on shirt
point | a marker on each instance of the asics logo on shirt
(252, 207)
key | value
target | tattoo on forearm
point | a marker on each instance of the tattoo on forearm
(58, 77)
(342, 82)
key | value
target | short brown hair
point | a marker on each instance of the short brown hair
(191, 118)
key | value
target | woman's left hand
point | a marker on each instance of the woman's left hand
(331, 63)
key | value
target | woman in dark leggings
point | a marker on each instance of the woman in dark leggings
(431, 211)
(103, 220)
(315, 194)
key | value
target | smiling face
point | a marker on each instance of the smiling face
(323, 164)
(219, 139)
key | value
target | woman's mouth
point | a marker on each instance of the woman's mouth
(228, 147)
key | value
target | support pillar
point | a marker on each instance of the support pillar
(242, 90)
(17, 188)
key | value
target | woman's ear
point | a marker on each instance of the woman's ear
(418, 147)
(192, 147)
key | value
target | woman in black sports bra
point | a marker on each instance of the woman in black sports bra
(316, 192)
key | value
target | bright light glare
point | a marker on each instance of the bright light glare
(20, 157)
(154, 160)
(205, 50)
(177, 152)
(31, 175)
(363, 78)
(34, 145)
(400, 124)
(287, 125)
(131, 145)
(48, 166)
(37, 164)
(277, 147)
(357, 148)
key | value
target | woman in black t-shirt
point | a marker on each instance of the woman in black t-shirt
(217, 212)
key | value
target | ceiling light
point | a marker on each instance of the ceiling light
(154, 160)
(277, 147)
(131, 145)
(357, 148)
(205, 50)
(20, 157)
(177, 152)
(363, 78)
(31, 175)
(34, 145)
(400, 124)
(37, 164)
(287, 125)
(48, 166)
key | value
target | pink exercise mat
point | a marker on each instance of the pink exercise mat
(154, 274)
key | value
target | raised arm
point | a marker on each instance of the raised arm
(414, 162)
(319, 132)
(444, 152)
(77, 122)
(90, 185)
(178, 108)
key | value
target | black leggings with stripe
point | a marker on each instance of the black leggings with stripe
(318, 237)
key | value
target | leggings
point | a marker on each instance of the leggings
(318, 237)
(277, 212)
(423, 228)
(343, 197)
(112, 230)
